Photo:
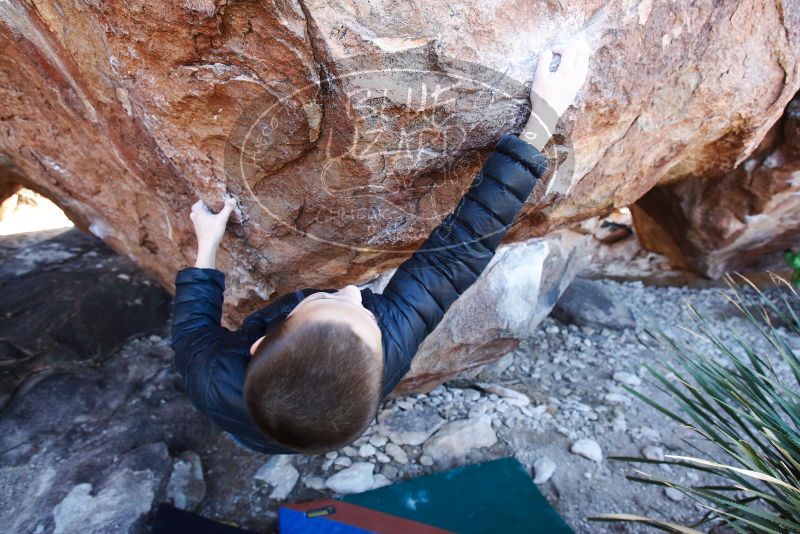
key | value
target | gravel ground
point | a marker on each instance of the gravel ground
(123, 436)
(573, 377)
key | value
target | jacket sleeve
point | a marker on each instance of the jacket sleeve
(458, 250)
(196, 316)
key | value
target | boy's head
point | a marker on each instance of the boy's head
(314, 382)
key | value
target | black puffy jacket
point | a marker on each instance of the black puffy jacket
(212, 360)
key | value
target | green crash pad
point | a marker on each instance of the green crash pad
(495, 496)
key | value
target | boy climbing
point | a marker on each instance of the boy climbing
(307, 373)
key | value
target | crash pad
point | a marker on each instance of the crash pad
(494, 496)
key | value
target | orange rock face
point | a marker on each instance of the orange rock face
(741, 220)
(347, 130)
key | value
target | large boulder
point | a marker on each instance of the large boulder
(65, 297)
(87, 427)
(347, 130)
(740, 220)
(516, 292)
(587, 303)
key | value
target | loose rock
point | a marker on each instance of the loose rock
(629, 379)
(588, 448)
(619, 424)
(390, 471)
(343, 461)
(366, 450)
(356, 478)
(652, 452)
(616, 398)
(279, 473)
(587, 303)
(411, 427)
(378, 440)
(673, 494)
(511, 396)
(186, 487)
(397, 453)
(314, 482)
(456, 439)
(405, 404)
(471, 395)
(543, 469)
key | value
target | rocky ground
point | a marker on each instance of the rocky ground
(90, 444)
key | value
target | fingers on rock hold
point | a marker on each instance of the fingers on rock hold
(230, 204)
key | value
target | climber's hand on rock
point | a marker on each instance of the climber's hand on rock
(209, 228)
(559, 88)
(553, 92)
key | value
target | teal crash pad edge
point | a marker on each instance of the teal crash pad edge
(494, 496)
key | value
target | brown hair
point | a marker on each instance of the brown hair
(313, 386)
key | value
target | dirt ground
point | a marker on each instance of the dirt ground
(110, 447)
(568, 372)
